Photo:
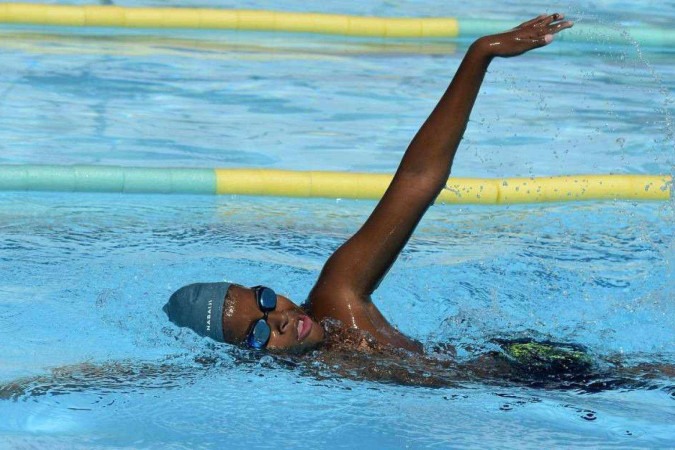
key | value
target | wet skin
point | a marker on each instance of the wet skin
(354, 271)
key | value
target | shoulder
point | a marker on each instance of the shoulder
(360, 313)
(336, 302)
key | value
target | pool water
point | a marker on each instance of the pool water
(83, 277)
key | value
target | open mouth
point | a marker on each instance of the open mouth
(304, 327)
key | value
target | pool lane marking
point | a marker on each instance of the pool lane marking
(233, 19)
(323, 184)
(458, 190)
(278, 21)
(80, 178)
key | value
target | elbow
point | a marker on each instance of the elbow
(433, 179)
(422, 186)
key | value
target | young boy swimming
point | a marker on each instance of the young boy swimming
(258, 318)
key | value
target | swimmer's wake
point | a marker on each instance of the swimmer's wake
(525, 363)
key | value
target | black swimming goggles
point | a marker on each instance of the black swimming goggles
(260, 332)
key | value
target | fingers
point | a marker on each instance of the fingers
(541, 20)
(547, 26)
(532, 21)
(546, 21)
(559, 26)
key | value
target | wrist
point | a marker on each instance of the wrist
(482, 49)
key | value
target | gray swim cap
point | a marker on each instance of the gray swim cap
(199, 306)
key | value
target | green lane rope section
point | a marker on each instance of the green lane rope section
(288, 183)
(107, 179)
(278, 21)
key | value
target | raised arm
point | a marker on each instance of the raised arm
(357, 267)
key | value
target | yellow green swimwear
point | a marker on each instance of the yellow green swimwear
(551, 358)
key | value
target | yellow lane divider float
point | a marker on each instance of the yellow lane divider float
(286, 183)
(277, 21)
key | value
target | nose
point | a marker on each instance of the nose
(279, 320)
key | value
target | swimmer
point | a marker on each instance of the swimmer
(339, 316)
(340, 302)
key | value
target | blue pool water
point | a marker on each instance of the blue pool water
(83, 276)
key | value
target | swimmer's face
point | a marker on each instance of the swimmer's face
(292, 330)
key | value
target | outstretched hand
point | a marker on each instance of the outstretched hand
(529, 35)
